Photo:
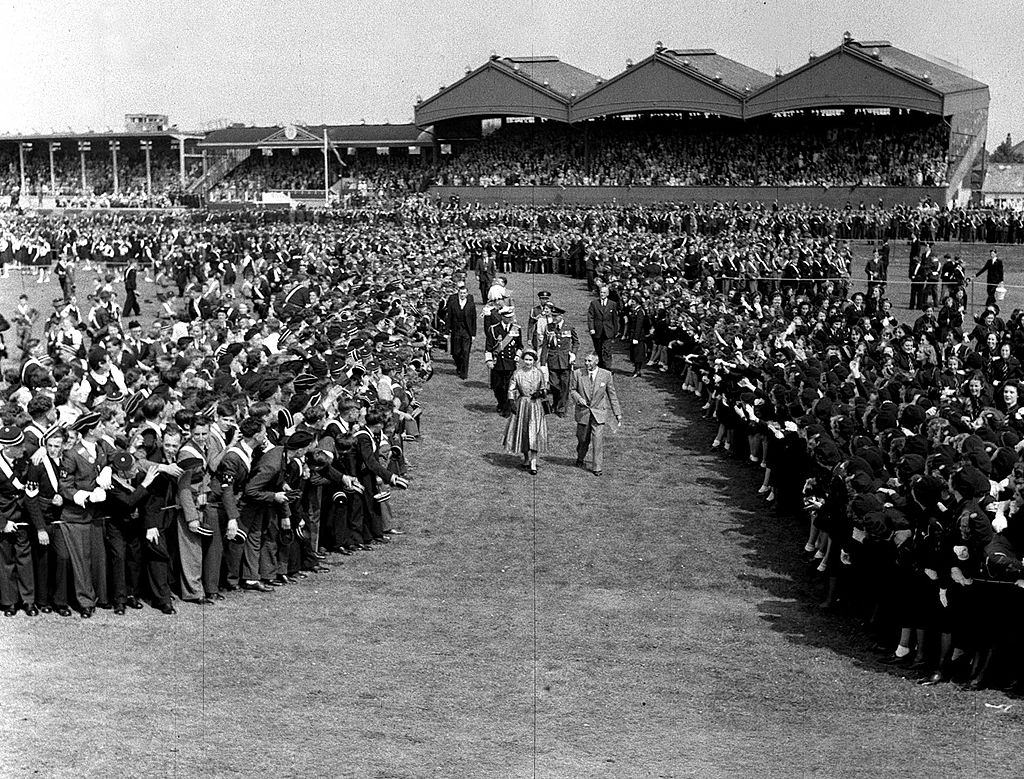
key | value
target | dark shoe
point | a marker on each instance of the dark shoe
(216, 596)
(275, 583)
(285, 579)
(32, 610)
(10, 611)
(597, 473)
(168, 609)
(232, 588)
(936, 678)
(87, 613)
(207, 601)
(580, 464)
(119, 609)
(382, 540)
(899, 662)
(343, 550)
(395, 532)
(320, 569)
(300, 575)
(256, 587)
(46, 609)
(133, 602)
(63, 611)
(533, 470)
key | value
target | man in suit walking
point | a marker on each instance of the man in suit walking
(460, 318)
(593, 391)
(603, 323)
(485, 274)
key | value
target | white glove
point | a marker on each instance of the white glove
(104, 479)
(98, 495)
(81, 497)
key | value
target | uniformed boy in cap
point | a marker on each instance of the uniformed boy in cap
(17, 579)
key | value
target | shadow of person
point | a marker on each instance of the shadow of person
(513, 462)
(486, 407)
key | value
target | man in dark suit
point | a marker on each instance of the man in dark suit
(993, 270)
(131, 286)
(460, 319)
(603, 323)
(593, 391)
(485, 273)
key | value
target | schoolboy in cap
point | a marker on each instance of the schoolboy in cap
(51, 553)
(82, 518)
(226, 494)
(126, 497)
(17, 578)
(199, 546)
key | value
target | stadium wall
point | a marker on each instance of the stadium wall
(838, 196)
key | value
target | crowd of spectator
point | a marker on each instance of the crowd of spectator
(241, 436)
(895, 442)
(852, 151)
(99, 176)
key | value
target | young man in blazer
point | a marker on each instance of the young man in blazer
(603, 323)
(460, 319)
(593, 391)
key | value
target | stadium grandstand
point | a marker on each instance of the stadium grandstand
(148, 162)
(866, 119)
(360, 159)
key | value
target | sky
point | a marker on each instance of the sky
(86, 63)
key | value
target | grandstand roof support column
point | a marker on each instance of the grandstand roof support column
(147, 147)
(181, 158)
(53, 146)
(21, 167)
(113, 161)
(83, 147)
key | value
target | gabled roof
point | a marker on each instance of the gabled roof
(943, 78)
(870, 74)
(509, 86)
(673, 80)
(312, 136)
(561, 77)
(1004, 178)
(729, 73)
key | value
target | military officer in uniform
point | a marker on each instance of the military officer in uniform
(501, 352)
(561, 347)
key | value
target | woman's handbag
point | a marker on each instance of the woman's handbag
(542, 394)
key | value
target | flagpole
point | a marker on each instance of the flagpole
(327, 200)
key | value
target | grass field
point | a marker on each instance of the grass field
(656, 622)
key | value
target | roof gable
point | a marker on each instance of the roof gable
(493, 89)
(560, 77)
(843, 77)
(659, 84)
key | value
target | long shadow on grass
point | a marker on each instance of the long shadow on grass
(772, 539)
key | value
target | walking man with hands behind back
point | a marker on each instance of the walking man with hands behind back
(593, 391)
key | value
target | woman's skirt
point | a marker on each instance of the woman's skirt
(527, 428)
